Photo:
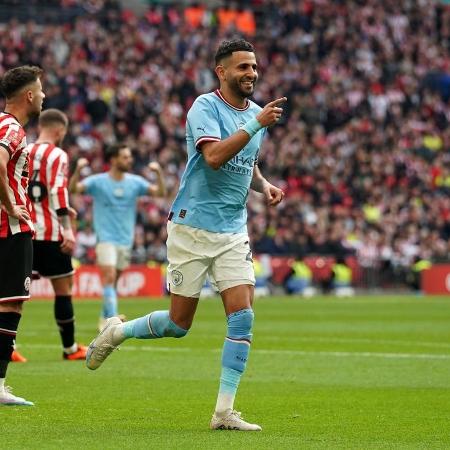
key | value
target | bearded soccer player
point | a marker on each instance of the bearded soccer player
(54, 239)
(23, 91)
(207, 228)
(115, 194)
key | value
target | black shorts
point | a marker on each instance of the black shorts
(16, 259)
(49, 261)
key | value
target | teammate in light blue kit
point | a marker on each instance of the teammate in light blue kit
(115, 195)
(207, 230)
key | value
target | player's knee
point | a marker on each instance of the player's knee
(163, 326)
(11, 307)
(240, 324)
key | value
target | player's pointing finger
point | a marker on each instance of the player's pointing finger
(278, 101)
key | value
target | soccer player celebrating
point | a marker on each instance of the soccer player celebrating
(115, 195)
(24, 96)
(207, 230)
(54, 240)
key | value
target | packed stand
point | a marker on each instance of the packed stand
(363, 151)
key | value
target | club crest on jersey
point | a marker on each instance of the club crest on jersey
(27, 283)
(177, 277)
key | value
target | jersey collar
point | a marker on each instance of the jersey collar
(219, 94)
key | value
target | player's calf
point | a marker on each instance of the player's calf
(235, 353)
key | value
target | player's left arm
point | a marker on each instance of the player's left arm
(259, 184)
(158, 189)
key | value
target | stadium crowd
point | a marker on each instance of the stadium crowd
(363, 150)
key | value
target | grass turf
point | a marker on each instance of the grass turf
(324, 373)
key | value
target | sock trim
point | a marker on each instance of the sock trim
(150, 328)
(72, 319)
(239, 341)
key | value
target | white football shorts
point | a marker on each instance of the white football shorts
(110, 254)
(194, 253)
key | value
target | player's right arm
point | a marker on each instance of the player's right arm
(75, 185)
(217, 153)
(17, 211)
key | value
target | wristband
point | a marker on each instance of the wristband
(252, 127)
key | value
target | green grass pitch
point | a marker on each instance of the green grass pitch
(324, 373)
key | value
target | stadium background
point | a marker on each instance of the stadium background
(367, 83)
(362, 152)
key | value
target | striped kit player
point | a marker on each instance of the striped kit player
(24, 96)
(54, 240)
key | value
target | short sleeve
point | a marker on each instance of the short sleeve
(142, 185)
(90, 184)
(11, 137)
(203, 121)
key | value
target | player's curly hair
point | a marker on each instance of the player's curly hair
(226, 48)
(15, 79)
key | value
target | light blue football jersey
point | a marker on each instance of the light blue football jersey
(114, 206)
(215, 200)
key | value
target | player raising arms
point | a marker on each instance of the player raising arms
(115, 195)
(207, 228)
(23, 91)
(54, 240)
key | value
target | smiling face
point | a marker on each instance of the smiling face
(239, 72)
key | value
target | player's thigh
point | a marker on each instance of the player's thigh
(50, 262)
(234, 266)
(188, 261)
(16, 259)
(182, 310)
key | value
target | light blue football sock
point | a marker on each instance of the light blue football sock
(234, 355)
(153, 326)
(109, 301)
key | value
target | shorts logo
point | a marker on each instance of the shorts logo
(177, 277)
(27, 283)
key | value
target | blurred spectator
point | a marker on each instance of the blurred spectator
(299, 280)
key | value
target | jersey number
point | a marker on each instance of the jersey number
(37, 191)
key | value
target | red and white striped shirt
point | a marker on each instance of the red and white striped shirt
(12, 138)
(48, 189)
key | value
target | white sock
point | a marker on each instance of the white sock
(72, 349)
(2, 384)
(225, 402)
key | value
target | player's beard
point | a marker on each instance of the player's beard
(124, 167)
(35, 111)
(235, 86)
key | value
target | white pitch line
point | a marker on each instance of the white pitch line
(277, 352)
(333, 340)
